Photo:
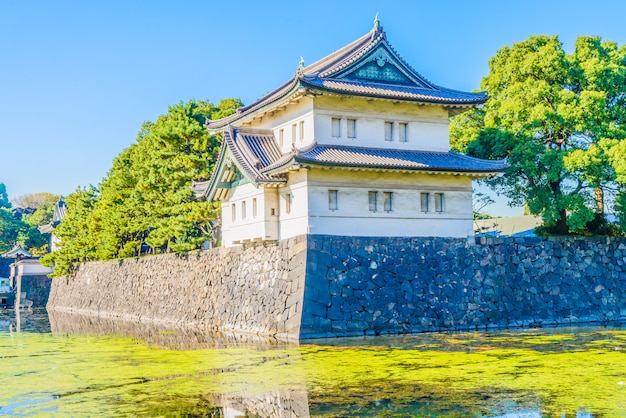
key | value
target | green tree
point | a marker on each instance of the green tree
(79, 243)
(145, 204)
(555, 117)
(4, 198)
(35, 200)
(20, 228)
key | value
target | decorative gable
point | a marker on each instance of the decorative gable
(382, 65)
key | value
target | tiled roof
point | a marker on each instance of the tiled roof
(346, 156)
(346, 71)
(17, 252)
(252, 149)
(361, 88)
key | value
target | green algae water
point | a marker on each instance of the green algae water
(71, 366)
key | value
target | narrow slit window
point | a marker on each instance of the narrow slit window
(388, 131)
(254, 207)
(373, 201)
(351, 128)
(288, 203)
(273, 211)
(403, 132)
(333, 204)
(424, 200)
(281, 137)
(336, 127)
(388, 201)
(301, 131)
(243, 210)
(439, 202)
(233, 212)
(294, 129)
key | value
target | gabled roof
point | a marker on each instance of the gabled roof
(383, 158)
(17, 252)
(367, 67)
(243, 156)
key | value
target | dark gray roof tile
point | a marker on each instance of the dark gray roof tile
(358, 157)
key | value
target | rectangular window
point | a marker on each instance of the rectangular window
(288, 203)
(243, 210)
(273, 211)
(439, 202)
(403, 132)
(388, 131)
(336, 127)
(373, 201)
(281, 137)
(388, 201)
(233, 212)
(351, 128)
(301, 130)
(254, 207)
(424, 198)
(333, 203)
(294, 128)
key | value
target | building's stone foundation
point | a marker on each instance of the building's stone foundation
(325, 286)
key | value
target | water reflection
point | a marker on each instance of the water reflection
(163, 335)
(89, 366)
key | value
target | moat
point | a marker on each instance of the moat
(67, 365)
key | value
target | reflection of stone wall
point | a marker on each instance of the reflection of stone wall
(163, 335)
(258, 289)
(275, 403)
(359, 286)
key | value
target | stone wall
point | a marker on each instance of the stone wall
(256, 290)
(5, 267)
(37, 289)
(359, 286)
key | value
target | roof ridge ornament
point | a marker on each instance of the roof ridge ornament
(376, 22)
(300, 70)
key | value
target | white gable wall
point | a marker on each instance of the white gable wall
(427, 125)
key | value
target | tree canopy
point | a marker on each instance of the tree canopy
(559, 120)
(19, 227)
(145, 204)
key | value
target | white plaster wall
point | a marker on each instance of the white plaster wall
(30, 268)
(295, 222)
(252, 228)
(292, 114)
(427, 125)
(353, 217)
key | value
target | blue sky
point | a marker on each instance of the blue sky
(78, 78)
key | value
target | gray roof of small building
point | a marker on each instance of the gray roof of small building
(383, 158)
(369, 67)
(17, 252)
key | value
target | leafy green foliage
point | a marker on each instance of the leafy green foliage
(76, 232)
(18, 227)
(35, 200)
(145, 205)
(4, 198)
(559, 120)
